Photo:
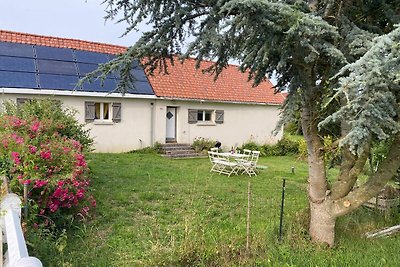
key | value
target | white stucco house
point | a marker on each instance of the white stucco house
(178, 107)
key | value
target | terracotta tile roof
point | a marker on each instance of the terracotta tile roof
(26, 38)
(231, 85)
(183, 80)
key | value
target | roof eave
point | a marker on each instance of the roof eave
(219, 101)
(52, 92)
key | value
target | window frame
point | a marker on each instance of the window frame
(101, 115)
(203, 115)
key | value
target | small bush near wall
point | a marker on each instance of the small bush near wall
(40, 146)
(286, 146)
(202, 144)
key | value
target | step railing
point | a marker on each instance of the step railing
(17, 252)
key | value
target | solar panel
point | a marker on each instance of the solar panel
(18, 50)
(138, 74)
(44, 52)
(58, 82)
(85, 68)
(90, 57)
(56, 67)
(18, 79)
(17, 64)
(96, 86)
(141, 88)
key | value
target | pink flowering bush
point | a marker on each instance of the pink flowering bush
(53, 165)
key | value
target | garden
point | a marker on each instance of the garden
(140, 209)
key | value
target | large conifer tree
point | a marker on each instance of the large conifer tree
(339, 61)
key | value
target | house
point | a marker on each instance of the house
(179, 107)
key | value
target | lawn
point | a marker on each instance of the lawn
(154, 211)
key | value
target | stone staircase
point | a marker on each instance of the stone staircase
(177, 151)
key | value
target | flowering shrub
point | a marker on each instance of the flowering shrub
(52, 165)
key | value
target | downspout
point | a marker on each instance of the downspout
(152, 124)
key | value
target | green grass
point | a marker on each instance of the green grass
(154, 211)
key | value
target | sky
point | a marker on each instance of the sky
(77, 19)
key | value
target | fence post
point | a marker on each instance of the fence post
(282, 205)
(248, 218)
(17, 253)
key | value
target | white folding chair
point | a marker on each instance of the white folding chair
(221, 164)
(250, 165)
(214, 149)
(247, 152)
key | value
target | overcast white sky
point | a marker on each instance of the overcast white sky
(77, 19)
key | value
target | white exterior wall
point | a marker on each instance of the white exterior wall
(242, 122)
(133, 132)
(143, 122)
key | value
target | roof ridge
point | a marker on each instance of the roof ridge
(59, 42)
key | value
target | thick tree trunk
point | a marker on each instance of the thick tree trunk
(322, 223)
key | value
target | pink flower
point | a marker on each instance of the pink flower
(15, 157)
(76, 144)
(53, 207)
(27, 182)
(32, 149)
(80, 160)
(35, 126)
(45, 154)
(40, 183)
(80, 194)
(16, 122)
(18, 139)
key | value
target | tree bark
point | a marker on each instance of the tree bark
(322, 223)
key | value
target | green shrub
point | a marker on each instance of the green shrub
(53, 165)
(251, 145)
(63, 119)
(202, 144)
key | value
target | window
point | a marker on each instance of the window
(102, 112)
(204, 115)
(207, 117)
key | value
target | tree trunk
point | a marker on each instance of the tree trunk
(322, 223)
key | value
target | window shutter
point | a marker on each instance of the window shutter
(192, 116)
(89, 111)
(116, 115)
(219, 116)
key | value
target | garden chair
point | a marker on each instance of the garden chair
(247, 152)
(249, 166)
(214, 149)
(221, 164)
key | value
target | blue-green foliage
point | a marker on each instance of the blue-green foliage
(371, 88)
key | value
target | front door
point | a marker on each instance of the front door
(171, 124)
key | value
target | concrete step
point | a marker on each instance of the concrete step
(183, 151)
(183, 156)
(178, 150)
(174, 146)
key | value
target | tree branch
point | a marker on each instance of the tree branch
(387, 169)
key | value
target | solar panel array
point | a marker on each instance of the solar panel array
(42, 67)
